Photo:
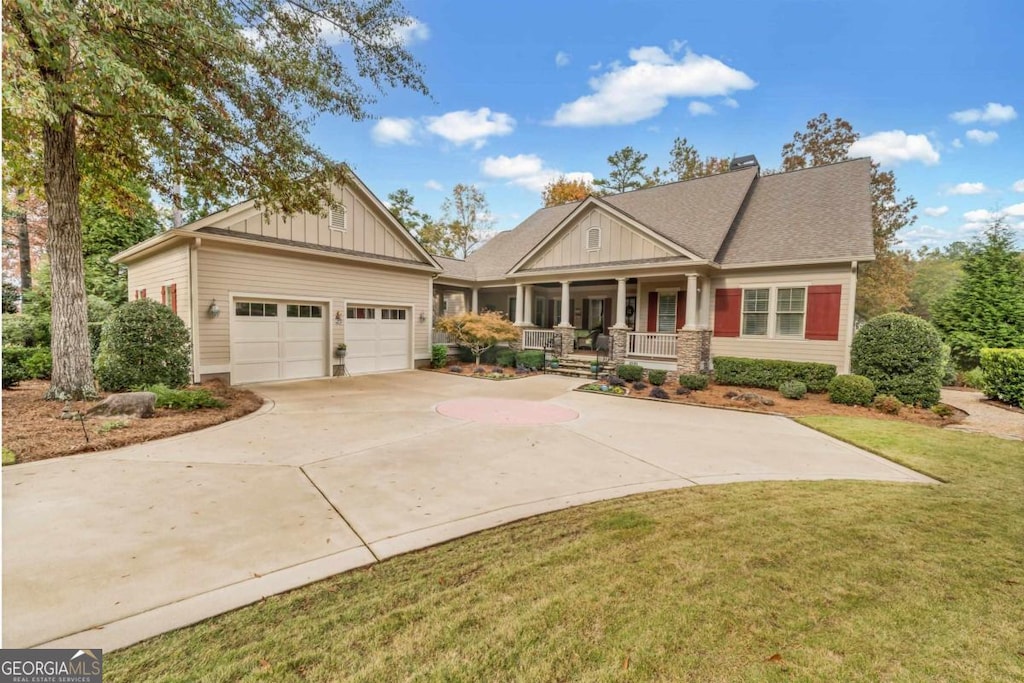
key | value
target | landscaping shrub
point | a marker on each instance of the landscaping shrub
(693, 382)
(532, 360)
(948, 367)
(769, 374)
(890, 405)
(973, 379)
(438, 355)
(22, 330)
(184, 399)
(616, 381)
(942, 410)
(657, 377)
(794, 389)
(658, 392)
(1004, 375)
(13, 369)
(506, 358)
(639, 386)
(965, 349)
(143, 343)
(851, 390)
(683, 391)
(38, 363)
(629, 372)
(902, 355)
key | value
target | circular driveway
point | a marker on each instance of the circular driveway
(340, 473)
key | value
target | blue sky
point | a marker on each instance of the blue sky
(522, 91)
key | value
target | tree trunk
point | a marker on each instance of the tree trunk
(72, 364)
(24, 247)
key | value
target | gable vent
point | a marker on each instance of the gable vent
(593, 239)
(338, 216)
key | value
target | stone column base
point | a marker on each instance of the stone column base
(693, 351)
(620, 336)
(568, 338)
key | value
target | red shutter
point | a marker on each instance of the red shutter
(680, 309)
(727, 312)
(142, 294)
(174, 297)
(652, 311)
(823, 312)
(163, 294)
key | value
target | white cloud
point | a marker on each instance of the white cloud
(968, 188)
(433, 185)
(984, 216)
(893, 147)
(527, 171)
(982, 137)
(922, 235)
(993, 113)
(562, 59)
(980, 216)
(642, 89)
(957, 144)
(936, 211)
(596, 66)
(413, 32)
(1019, 186)
(471, 127)
(730, 102)
(700, 108)
(1015, 210)
(389, 131)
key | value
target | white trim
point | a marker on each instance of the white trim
(851, 314)
(802, 262)
(592, 230)
(773, 301)
(193, 299)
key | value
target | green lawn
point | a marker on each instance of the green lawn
(812, 581)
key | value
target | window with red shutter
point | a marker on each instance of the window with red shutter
(173, 296)
(681, 309)
(823, 312)
(727, 312)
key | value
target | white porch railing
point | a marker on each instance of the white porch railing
(538, 339)
(440, 337)
(651, 344)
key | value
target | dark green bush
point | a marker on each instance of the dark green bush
(693, 382)
(184, 399)
(1004, 375)
(13, 364)
(23, 330)
(506, 358)
(488, 357)
(533, 359)
(942, 410)
(38, 363)
(143, 343)
(948, 367)
(965, 349)
(851, 390)
(630, 372)
(639, 386)
(902, 355)
(657, 377)
(884, 403)
(973, 379)
(769, 374)
(794, 389)
(438, 355)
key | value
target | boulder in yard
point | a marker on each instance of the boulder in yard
(132, 404)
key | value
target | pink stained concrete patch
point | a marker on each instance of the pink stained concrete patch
(501, 411)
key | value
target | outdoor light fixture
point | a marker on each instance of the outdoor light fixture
(214, 310)
(423, 317)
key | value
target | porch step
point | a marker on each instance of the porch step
(578, 366)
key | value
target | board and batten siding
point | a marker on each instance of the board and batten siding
(223, 272)
(781, 348)
(618, 243)
(365, 229)
(168, 267)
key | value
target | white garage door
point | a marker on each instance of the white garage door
(378, 339)
(274, 340)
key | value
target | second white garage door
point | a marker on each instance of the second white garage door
(378, 339)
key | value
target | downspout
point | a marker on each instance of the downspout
(193, 294)
(851, 316)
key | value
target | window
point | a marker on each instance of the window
(666, 312)
(338, 216)
(556, 312)
(539, 310)
(755, 312)
(360, 313)
(593, 239)
(392, 314)
(255, 310)
(304, 311)
(169, 297)
(790, 304)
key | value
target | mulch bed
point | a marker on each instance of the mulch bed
(810, 404)
(33, 430)
(491, 372)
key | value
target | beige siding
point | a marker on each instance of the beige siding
(223, 272)
(367, 229)
(832, 352)
(168, 267)
(618, 243)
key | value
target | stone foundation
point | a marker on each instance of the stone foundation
(620, 337)
(693, 351)
(568, 338)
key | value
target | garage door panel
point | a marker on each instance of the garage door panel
(296, 350)
(376, 344)
(258, 330)
(256, 351)
(275, 347)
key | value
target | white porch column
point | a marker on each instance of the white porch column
(528, 305)
(476, 300)
(566, 306)
(519, 304)
(705, 303)
(691, 303)
(620, 303)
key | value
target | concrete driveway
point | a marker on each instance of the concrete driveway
(103, 550)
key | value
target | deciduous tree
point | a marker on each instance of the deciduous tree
(936, 272)
(478, 331)
(563, 190)
(687, 163)
(628, 172)
(217, 96)
(465, 215)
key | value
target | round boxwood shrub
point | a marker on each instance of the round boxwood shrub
(851, 390)
(902, 355)
(657, 377)
(143, 343)
(693, 382)
(794, 389)
(630, 372)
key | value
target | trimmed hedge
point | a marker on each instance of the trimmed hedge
(851, 390)
(693, 382)
(630, 372)
(438, 355)
(902, 355)
(1004, 375)
(533, 359)
(506, 358)
(769, 374)
(657, 377)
